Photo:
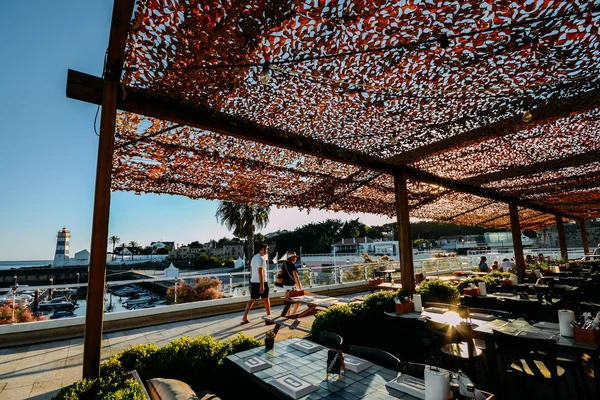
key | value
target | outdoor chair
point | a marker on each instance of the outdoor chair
(331, 340)
(533, 360)
(411, 338)
(450, 307)
(481, 302)
(480, 343)
(377, 356)
(460, 349)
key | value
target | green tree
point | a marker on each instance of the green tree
(134, 245)
(114, 240)
(243, 219)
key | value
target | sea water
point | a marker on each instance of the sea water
(22, 264)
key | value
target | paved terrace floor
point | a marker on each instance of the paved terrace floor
(38, 371)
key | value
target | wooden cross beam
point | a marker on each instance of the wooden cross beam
(574, 160)
(88, 88)
(508, 126)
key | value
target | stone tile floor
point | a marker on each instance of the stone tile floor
(38, 371)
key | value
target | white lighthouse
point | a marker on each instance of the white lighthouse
(61, 257)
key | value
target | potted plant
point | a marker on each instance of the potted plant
(269, 340)
(404, 302)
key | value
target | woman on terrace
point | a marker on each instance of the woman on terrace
(483, 267)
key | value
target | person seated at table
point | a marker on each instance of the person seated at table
(495, 265)
(506, 265)
(483, 267)
(291, 280)
(597, 251)
(541, 259)
(529, 259)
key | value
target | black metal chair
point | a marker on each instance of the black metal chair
(331, 340)
(413, 331)
(377, 356)
(532, 359)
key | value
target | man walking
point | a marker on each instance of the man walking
(259, 287)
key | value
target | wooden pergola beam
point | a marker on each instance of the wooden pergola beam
(562, 238)
(87, 88)
(585, 181)
(552, 111)
(584, 237)
(94, 316)
(515, 229)
(575, 160)
(407, 269)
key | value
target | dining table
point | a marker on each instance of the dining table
(313, 302)
(296, 369)
(481, 326)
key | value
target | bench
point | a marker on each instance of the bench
(385, 286)
(288, 323)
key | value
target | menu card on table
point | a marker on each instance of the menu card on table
(306, 346)
(293, 386)
(253, 364)
(406, 384)
(356, 364)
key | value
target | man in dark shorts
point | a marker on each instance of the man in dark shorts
(259, 288)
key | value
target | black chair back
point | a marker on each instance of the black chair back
(331, 340)
(450, 307)
(512, 348)
(376, 356)
(497, 313)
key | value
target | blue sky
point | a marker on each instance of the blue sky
(48, 147)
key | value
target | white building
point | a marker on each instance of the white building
(61, 256)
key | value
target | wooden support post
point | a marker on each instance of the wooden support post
(517, 244)
(584, 238)
(94, 315)
(404, 238)
(562, 239)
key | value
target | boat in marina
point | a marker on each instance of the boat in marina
(59, 303)
(139, 300)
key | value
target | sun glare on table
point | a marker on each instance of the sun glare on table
(451, 318)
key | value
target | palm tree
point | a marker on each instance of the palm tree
(114, 240)
(134, 245)
(243, 219)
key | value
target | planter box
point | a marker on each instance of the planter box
(505, 282)
(590, 336)
(375, 281)
(404, 308)
(471, 292)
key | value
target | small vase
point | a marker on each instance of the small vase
(269, 343)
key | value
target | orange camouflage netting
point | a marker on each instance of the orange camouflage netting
(438, 85)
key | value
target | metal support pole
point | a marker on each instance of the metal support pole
(94, 317)
(14, 288)
(176, 291)
(230, 285)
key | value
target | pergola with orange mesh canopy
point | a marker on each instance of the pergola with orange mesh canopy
(481, 113)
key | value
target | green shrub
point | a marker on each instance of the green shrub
(195, 361)
(491, 280)
(112, 387)
(438, 291)
(358, 323)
